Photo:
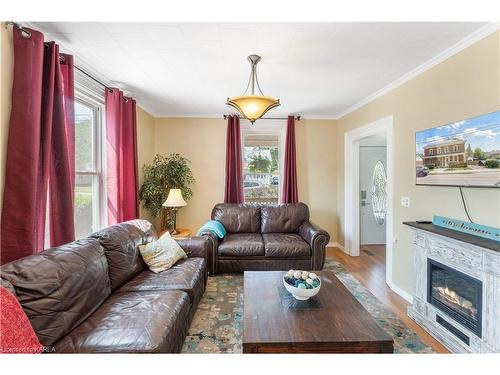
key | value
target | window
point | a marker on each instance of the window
(446, 150)
(431, 151)
(455, 148)
(439, 150)
(89, 180)
(379, 193)
(262, 163)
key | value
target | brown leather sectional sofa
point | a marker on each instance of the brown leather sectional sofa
(266, 237)
(96, 295)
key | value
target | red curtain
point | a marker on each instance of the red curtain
(40, 150)
(62, 147)
(122, 170)
(234, 165)
(290, 193)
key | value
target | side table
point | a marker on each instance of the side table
(183, 233)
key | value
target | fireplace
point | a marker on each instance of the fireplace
(456, 294)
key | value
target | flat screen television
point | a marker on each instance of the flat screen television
(463, 153)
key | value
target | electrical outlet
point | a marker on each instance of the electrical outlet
(405, 201)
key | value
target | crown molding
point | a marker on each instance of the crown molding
(220, 116)
(444, 55)
(466, 42)
(469, 40)
(189, 115)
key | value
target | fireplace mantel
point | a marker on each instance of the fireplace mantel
(459, 236)
(473, 256)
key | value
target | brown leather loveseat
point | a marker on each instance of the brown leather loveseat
(266, 237)
(96, 295)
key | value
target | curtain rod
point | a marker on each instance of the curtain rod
(268, 118)
(28, 34)
(90, 76)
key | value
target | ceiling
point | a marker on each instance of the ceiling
(315, 69)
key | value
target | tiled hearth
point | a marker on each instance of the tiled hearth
(457, 293)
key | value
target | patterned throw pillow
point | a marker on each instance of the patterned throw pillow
(162, 254)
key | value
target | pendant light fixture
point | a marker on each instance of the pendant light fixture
(253, 107)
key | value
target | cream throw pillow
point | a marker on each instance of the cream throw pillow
(162, 254)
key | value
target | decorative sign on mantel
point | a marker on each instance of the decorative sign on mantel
(469, 228)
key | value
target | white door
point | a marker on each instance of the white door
(372, 185)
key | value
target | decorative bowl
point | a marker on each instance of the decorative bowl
(302, 293)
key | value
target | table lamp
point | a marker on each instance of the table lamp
(175, 202)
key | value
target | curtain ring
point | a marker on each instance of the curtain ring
(25, 33)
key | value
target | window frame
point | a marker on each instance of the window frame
(90, 94)
(272, 128)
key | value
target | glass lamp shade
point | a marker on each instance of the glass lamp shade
(174, 199)
(253, 107)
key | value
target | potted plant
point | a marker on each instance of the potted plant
(163, 174)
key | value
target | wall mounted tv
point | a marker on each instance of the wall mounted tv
(463, 153)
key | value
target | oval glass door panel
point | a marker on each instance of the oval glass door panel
(379, 193)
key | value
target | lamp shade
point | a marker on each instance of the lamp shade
(253, 107)
(174, 199)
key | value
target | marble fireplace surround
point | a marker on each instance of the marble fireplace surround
(478, 258)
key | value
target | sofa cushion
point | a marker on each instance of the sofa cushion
(187, 275)
(285, 245)
(61, 287)
(284, 218)
(121, 244)
(238, 218)
(135, 322)
(241, 245)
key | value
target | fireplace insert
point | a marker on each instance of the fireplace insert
(456, 294)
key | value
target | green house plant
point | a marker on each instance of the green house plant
(163, 174)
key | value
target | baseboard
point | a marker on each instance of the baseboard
(396, 289)
(335, 244)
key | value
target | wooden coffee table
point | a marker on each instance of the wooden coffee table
(331, 322)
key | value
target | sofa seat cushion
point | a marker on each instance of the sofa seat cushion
(285, 245)
(241, 245)
(135, 322)
(187, 275)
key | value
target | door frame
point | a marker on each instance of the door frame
(383, 126)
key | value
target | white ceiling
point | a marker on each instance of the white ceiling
(189, 69)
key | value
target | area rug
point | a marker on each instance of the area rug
(217, 325)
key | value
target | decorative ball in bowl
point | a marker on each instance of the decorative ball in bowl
(302, 285)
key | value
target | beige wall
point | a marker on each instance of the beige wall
(145, 145)
(203, 141)
(316, 171)
(6, 73)
(466, 85)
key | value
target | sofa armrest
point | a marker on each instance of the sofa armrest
(214, 245)
(317, 238)
(197, 247)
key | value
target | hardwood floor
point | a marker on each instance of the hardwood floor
(369, 269)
